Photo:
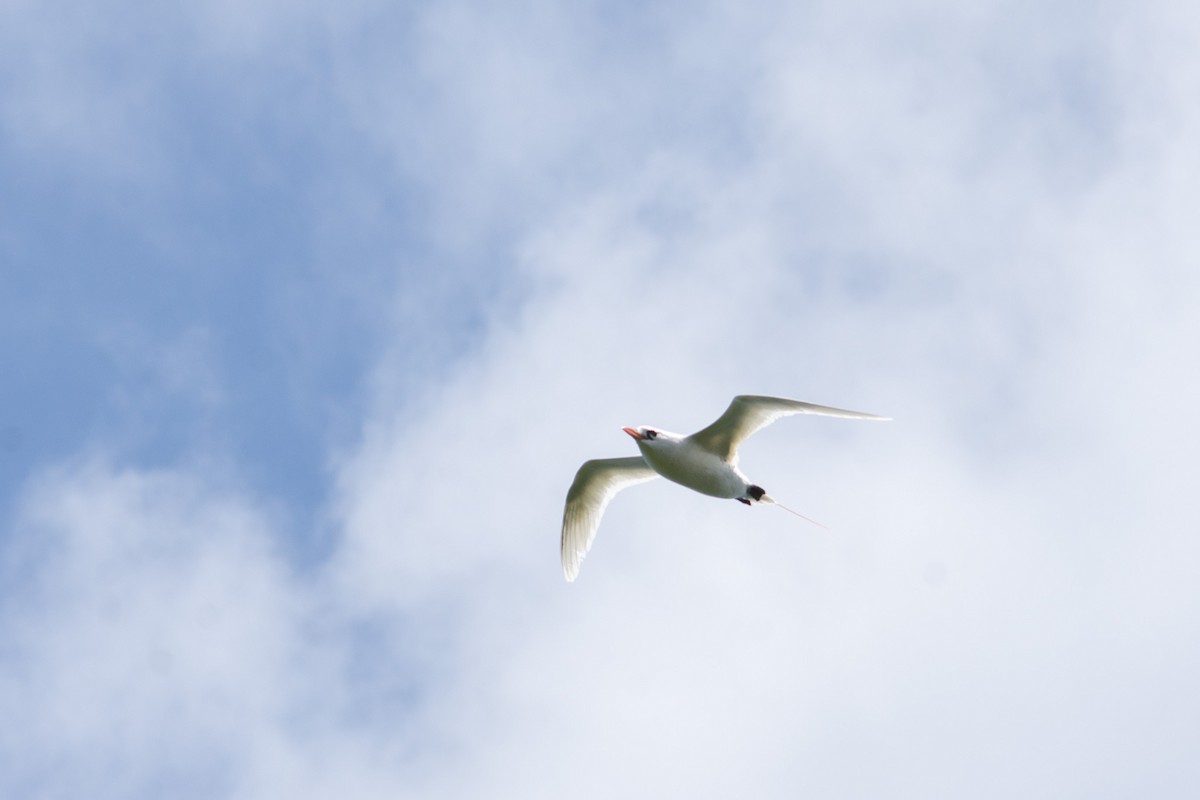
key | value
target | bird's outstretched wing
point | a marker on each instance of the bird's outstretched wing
(595, 484)
(749, 413)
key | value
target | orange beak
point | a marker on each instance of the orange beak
(633, 433)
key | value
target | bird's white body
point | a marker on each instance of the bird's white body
(706, 462)
(687, 463)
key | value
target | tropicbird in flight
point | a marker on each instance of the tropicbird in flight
(706, 461)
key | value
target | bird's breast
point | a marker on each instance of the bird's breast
(696, 469)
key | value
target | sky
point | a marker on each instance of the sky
(308, 315)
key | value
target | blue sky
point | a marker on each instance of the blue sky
(309, 315)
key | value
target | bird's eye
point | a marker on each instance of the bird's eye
(651, 434)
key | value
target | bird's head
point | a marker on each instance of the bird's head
(649, 437)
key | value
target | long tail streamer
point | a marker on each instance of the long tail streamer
(774, 502)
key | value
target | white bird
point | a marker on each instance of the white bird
(706, 461)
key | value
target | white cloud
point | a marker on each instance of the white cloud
(147, 622)
(958, 638)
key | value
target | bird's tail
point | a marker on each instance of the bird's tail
(766, 498)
